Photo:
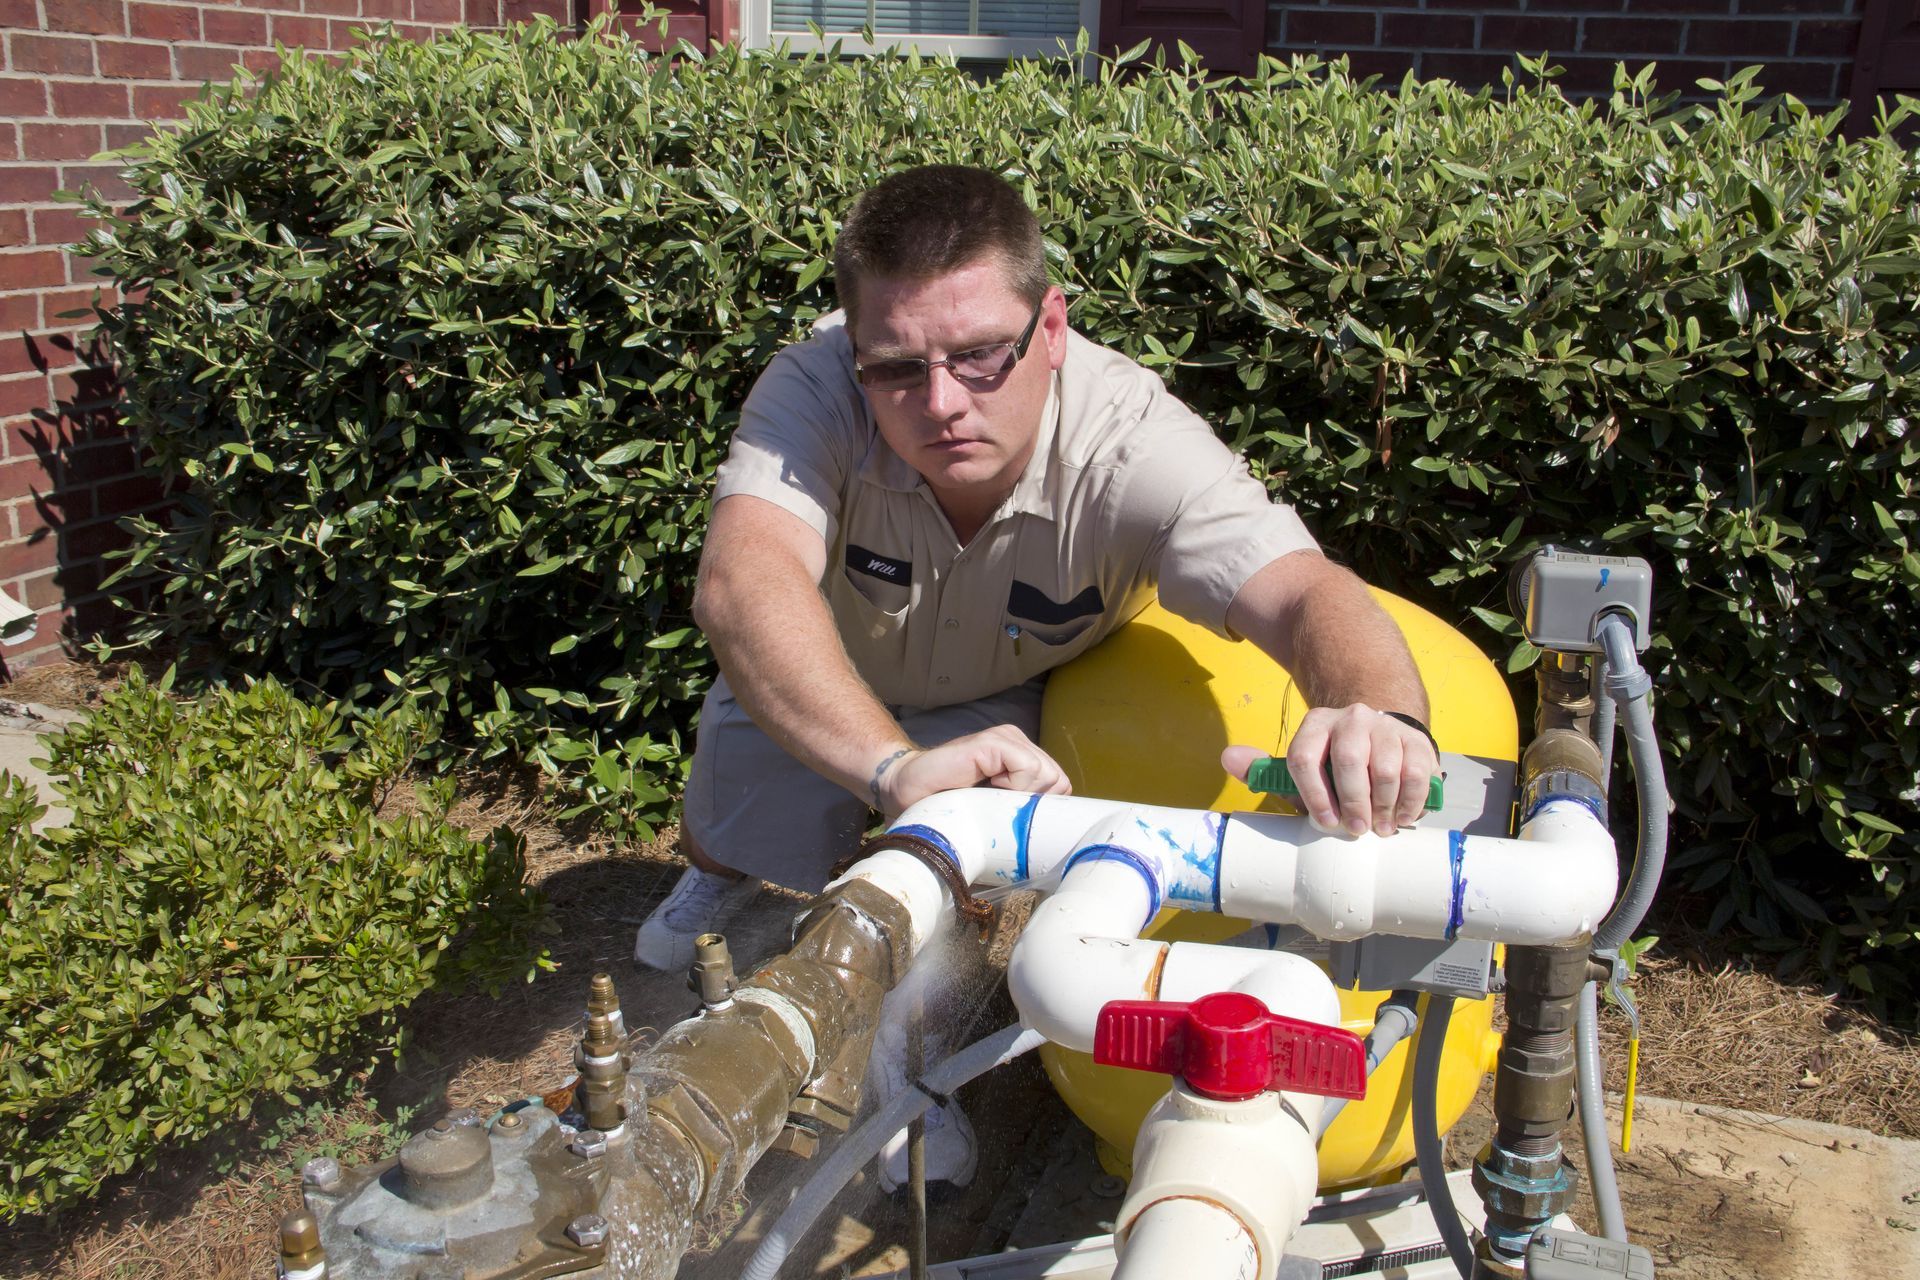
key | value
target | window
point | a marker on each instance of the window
(964, 28)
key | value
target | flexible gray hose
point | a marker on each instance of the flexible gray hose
(864, 1143)
(1428, 1155)
(1603, 721)
(1593, 1117)
(1628, 683)
(1392, 1023)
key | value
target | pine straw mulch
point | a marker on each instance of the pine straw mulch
(1713, 1032)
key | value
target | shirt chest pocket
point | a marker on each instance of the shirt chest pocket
(1031, 612)
(880, 586)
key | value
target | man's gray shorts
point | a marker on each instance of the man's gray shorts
(752, 807)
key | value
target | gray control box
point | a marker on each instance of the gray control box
(1567, 594)
(1387, 963)
(1554, 1254)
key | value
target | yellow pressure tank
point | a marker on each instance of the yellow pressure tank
(1145, 715)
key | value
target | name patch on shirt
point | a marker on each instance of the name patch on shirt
(1024, 601)
(875, 565)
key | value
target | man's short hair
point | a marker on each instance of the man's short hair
(921, 223)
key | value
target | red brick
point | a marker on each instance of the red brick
(1329, 27)
(19, 312)
(1714, 7)
(41, 590)
(23, 96)
(1631, 35)
(134, 60)
(97, 99)
(70, 308)
(415, 32)
(1470, 70)
(23, 478)
(481, 13)
(51, 55)
(1824, 38)
(33, 555)
(17, 14)
(26, 353)
(28, 184)
(99, 463)
(13, 228)
(1595, 75)
(60, 226)
(163, 101)
(59, 141)
(126, 135)
(221, 26)
(436, 10)
(84, 542)
(102, 179)
(528, 10)
(203, 62)
(332, 8)
(83, 388)
(1801, 79)
(23, 394)
(391, 10)
(134, 493)
(1739, 37)
(163, 21)
(1527, 33)
(1391, 65)
(1586, 6)
(1426, 31)
(94, 17)
(32, 269)
(9, 144)
(305, 33)
(1817, 8)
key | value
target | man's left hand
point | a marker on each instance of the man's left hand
(1381, 769)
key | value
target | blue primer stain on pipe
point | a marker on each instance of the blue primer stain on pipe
(1022, 829)
(1217, 822)
(1194, 868)
(1604, 575)
(1456, 857)
(1114, 853)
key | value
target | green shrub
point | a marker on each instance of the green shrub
(228, 917)
(446, 339)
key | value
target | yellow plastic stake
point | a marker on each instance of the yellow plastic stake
(1633, 1078)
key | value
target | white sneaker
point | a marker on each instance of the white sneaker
(952, 1152)
(699, 903)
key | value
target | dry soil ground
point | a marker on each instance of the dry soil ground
(1715, 1034)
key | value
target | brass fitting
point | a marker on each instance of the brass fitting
(1565, 682)
(603, 998)
(712, 977)
(602, 1061)
(301, 1257)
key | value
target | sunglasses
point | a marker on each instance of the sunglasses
(973, 369)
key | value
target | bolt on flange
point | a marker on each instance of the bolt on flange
(589, 1230)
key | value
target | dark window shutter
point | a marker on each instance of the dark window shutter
(1888, 60)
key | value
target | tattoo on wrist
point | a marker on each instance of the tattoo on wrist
(880, 771)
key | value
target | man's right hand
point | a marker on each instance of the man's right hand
(1002, 756)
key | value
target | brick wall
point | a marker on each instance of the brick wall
(78, 77)
(1806, 46)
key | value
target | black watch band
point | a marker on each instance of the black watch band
(1413, 722)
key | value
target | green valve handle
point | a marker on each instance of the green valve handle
(1269, 776)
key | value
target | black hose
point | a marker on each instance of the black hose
(1429, 1156)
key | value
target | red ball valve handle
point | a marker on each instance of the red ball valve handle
(1227, 1045)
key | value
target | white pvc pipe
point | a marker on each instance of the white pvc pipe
(1276, 869)
(1187, 1237)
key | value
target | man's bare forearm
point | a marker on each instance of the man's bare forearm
(1318, 621)
(761, 609)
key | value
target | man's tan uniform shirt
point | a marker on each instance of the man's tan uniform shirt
(1127, 492)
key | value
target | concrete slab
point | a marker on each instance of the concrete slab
(22, 724)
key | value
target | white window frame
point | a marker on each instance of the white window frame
(756, 22)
